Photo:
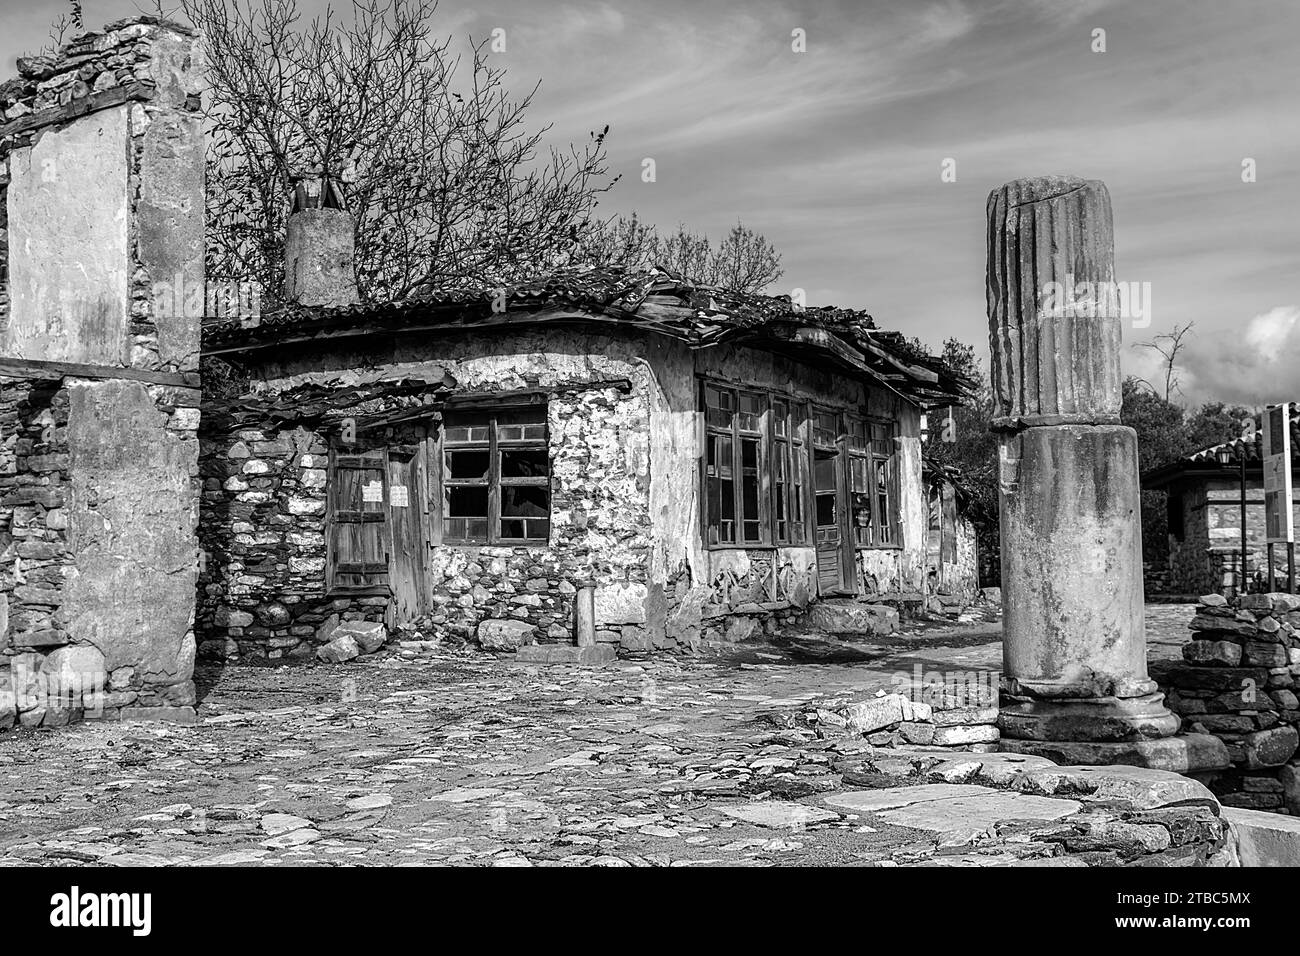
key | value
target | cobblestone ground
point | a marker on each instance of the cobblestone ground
(465, 758)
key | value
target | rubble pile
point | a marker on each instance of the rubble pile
(963, 719)
(1237, 682)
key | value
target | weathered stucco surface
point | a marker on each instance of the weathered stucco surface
(131, 519)
(169, 234)
(68, 244)
(625, 495)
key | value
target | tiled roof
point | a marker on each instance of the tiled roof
(1254, 449)
(1208, 458)
(653, 300)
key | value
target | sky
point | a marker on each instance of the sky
(836, 153)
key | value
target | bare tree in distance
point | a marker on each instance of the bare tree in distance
(744, 261)
(1168, 345)
(447, 182)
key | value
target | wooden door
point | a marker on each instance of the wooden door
(406, 546)
(830, 519)
(358, 536)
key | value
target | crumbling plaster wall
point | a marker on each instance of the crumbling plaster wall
(600, 463)
(625, 495)
(102, 153)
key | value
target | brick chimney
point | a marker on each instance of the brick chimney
(318, 246)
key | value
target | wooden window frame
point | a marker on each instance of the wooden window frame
(881, 456)
(797, 447)
(792, 449)
(734, 435)
(494, 481)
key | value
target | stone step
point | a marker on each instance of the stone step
(592, 654)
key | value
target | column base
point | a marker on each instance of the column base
(1099, 719)
(1185, 753)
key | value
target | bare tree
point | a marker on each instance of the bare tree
(1168, 346)
(438, 166)
(744, 260)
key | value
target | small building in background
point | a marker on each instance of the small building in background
(951, 554)
(1204, 513)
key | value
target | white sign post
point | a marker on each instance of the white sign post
(1279, 523)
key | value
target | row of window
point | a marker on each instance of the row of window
(775, 473)
(768, 459)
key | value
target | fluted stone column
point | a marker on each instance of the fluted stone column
(1074, 669)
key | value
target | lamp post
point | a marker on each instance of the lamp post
(1224, 455)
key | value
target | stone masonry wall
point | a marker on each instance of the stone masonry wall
(262, 532)
(1211, 538)
(140, 76)
(1237, 682)
(102, 152)
(69, 632)
(263, 590)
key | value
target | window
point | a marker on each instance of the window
(736, 466)
(496, 476)
(871, 481)
(775, 468)
(789, 423)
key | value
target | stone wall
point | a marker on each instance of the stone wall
(625, 508)
(1211, 539)
(263, 590)
(101, 146)
(1237, 682)
(98, 605)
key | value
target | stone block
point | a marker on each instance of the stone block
(741, 628)
(965, 716)
(1289, 777)
(1184, 753)
(916, 732)
(369, 635)
(338, 650)
(1264, 839)
(871, 715)
(621, 602)
(958, 736)
(1270, 748)
(851, 617)
(1212, 652)
(504, 635)
(592, 654)
(1265, 654)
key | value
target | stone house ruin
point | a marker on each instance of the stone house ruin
(101, 194)
(688, 459)
(1204, 513)
(703, 460)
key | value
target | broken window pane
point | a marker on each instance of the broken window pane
(718, 406)
(750, 413)
(524, 463)
(468, 501)
(463, 465)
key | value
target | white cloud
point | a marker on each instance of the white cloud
(1252, 366)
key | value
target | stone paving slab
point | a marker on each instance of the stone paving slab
(462, 758)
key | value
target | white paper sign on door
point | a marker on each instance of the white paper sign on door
(398, 496)
(373, 491)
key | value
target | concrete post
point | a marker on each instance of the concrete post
(1074, 629)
